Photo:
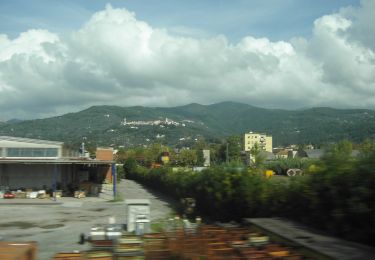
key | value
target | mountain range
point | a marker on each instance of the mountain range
(182, 125)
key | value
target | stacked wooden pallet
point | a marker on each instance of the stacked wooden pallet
(207, 242)
(215, 243)
(69, 256)
(18, 250)
(129, 246)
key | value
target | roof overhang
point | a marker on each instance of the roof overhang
(55, 161)
(28, 140)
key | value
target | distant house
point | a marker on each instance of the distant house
(40, 164)
(317, 153)
(268, 155)
(249, 160)
(282, 154)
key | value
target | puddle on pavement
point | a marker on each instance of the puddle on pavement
(22, 235)
(52, 226)
(306, 239)
(18, 224)
(302, 237)
(27, 225)
(99, 209)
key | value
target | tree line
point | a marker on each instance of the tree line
(227, 150)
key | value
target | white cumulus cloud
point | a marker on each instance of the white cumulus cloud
(117, 59)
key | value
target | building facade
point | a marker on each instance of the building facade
(14, 147)
(264, 141)
(206, 158)
(41, 164)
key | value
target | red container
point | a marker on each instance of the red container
(9, 196)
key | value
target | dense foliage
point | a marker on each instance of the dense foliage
(337, 195)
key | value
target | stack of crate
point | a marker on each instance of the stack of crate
(215, 243)
(260, 247)
(18, 250)
(98, 255)
(79, 194)
(129, 247)
(156, 246)
(69, 256)
(208, 242)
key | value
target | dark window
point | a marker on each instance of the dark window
(32, 152)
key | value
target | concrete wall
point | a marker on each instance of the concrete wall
(104, 154)
(107, 155)
(269, 144)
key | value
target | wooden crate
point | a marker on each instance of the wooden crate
(68, 256)
(98, 255)
(18, 250)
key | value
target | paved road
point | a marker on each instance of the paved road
(56, 227)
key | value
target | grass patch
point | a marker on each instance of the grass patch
(119, 197)
(157, 227)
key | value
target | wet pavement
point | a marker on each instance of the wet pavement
(57, 225)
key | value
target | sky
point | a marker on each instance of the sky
(60, 56)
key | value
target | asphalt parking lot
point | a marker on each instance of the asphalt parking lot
(57, 227)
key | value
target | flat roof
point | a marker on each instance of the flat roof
(137, 202)
(28, 140)
(329, 246)
(69, 160)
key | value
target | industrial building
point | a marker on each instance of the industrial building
(27, 164)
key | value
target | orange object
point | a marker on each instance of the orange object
(18, 250)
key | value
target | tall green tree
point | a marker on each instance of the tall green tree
(199, 146)
(152, 154)
(367, 148)
(130, 166)
(187, 157)
(258, 157)
(230, 150)
(215, 154)
(338, 157)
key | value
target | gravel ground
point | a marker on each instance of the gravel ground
(56, 228)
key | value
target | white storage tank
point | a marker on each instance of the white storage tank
(137, 209)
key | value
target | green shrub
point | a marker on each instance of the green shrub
(339, 197)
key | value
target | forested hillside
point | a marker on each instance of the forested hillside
(104, 125)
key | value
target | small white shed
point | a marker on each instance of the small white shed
(136, 209)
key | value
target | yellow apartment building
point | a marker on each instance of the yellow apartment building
(264, 141)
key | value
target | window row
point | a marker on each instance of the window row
(31, 152)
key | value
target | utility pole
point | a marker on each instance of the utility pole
(227, 154)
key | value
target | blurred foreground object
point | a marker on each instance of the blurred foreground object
(18, 250)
